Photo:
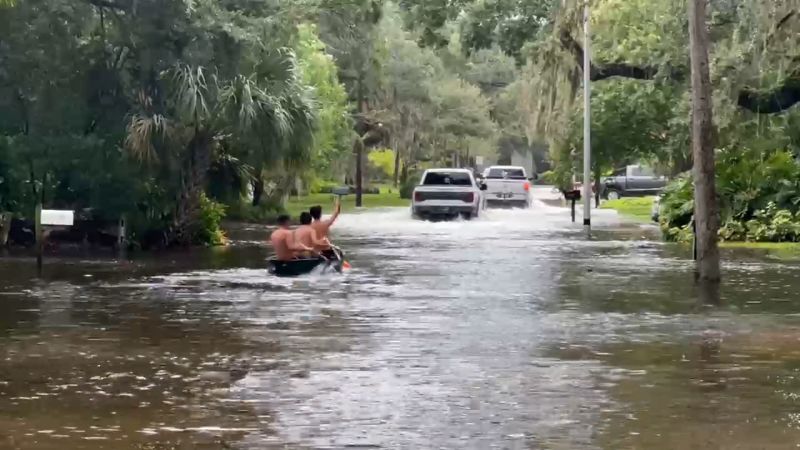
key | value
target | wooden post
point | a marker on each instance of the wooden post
(39, 230)
(122, 245)
(705, 196)
(573, 210)
(5, 228)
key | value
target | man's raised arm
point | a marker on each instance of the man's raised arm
(335, 213)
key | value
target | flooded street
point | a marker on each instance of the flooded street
(510, 332)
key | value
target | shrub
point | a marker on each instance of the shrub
(407, 187)
(211, 215)
(759, 198)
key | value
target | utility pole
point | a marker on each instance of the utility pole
(587, 121)
(705, 195)
(359, 142)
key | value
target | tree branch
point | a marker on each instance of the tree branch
(771, 101)
(613, 69)
(107, 4)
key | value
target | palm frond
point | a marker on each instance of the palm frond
(190, 89)
(302, 111)
(141, 134)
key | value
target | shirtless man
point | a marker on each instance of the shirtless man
(322, 227)
(307, 236)
(284, 243)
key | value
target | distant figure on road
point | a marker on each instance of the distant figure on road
(322, 227)
(307, 236)
(284, 243)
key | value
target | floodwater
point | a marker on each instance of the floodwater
(511, 332)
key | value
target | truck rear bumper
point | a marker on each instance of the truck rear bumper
(443, 210)
(508, 201)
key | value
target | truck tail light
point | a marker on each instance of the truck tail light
(527, 186)
(469, 197)
(418, 197)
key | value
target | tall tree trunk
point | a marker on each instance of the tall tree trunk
(193, 182)
(258, 190)
(396, 165)
(400, 143)
(705, 197)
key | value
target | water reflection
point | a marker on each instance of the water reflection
(511, 331)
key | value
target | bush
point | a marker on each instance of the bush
(323, 187)
(549, 178)
(759, 198)
(407, 186)
(211, 215)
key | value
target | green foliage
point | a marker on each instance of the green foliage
(407, 186)
(333, 136)
(632, 122)
(677, 206)
(202, 96)
(211, 215)
(759, 195)
(383, 160)
(549, 178)
(509, 24)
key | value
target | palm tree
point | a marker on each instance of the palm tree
(268, 113)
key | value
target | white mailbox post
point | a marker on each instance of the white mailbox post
(58, 217)
(49, 218)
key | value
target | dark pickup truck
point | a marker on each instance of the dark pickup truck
(633, 181)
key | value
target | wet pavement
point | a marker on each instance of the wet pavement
(511, 332)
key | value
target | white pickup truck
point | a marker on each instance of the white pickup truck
(507, 186)
(448, 193)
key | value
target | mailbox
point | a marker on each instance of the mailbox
(57, 217)
(574, 195)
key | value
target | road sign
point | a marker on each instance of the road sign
(56, 217)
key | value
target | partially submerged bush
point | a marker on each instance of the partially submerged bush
(211, 215)
(759, 198)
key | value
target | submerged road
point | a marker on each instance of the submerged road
(510, 332)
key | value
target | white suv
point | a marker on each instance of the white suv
(448, 193)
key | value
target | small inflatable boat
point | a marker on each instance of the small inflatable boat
(330, 261)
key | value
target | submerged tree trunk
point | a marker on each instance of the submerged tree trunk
(597, 188)
(705, 196)
(193, 182)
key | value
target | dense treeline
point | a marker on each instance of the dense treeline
(168, 112)
(641, 94)
(171, 112)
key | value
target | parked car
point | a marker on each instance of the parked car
(633, 181)
(507, 186)
(447, 194)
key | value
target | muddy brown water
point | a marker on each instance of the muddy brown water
(508, 332)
